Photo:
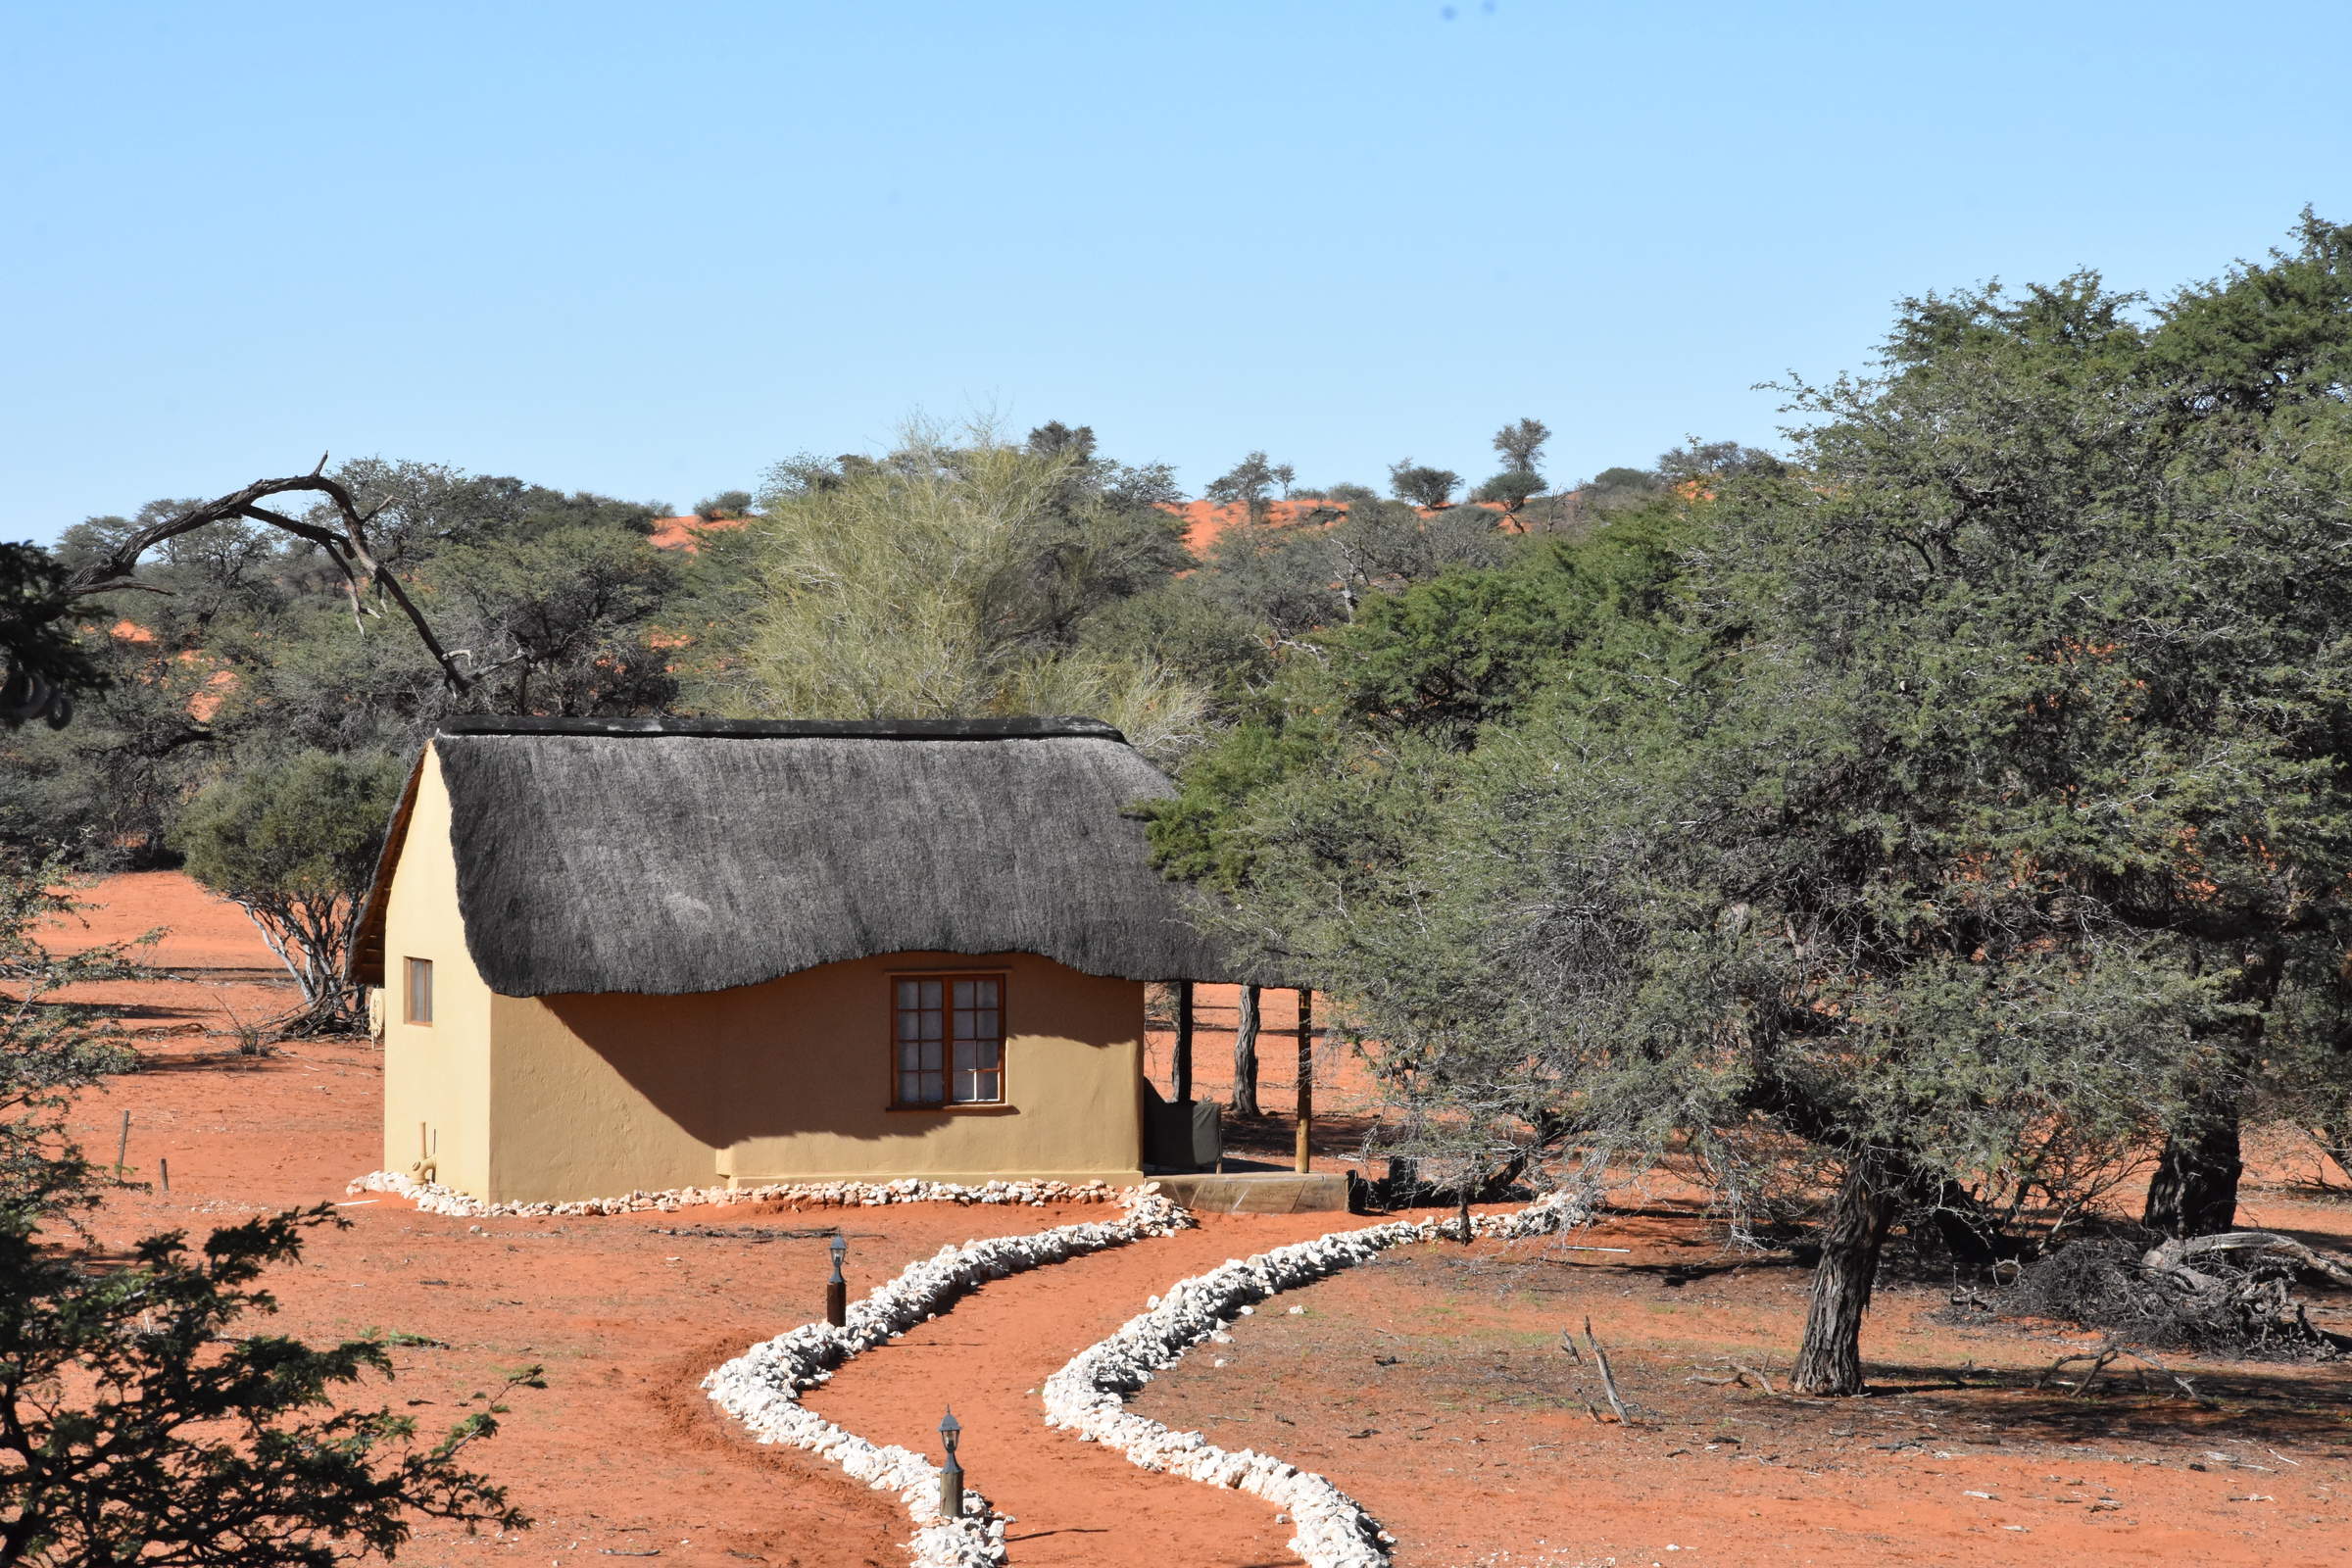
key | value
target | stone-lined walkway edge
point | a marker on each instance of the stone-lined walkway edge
(761, 1388)
(434, 1199)
(1088, 1394)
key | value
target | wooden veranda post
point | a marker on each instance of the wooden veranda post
(1306, 1078)
(1184, 1042)
(1244, 1056)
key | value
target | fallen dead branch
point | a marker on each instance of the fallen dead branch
(2232, 1293)
(1739, 1376)
(2243, 1248)
(2098, 1363)
(2105, 1357)
(744, 1233)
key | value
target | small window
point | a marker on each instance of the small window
(950, 1036)
(421, 991)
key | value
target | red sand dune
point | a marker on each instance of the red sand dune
(684, 533)
(1204, 521)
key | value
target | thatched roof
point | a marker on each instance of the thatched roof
(662, 857)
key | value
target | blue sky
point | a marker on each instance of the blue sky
(649, 250)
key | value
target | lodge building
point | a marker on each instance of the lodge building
(648, 954)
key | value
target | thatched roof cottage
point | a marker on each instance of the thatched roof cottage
(651, 954)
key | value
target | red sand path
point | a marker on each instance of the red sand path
(1076, 1504)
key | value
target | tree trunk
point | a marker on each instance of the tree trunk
(1303, 1157)
(1830, 1360)
(311, 944)
(1968, 1230)
(1244, 1056)
(2194, 1191)
(2334, 1138)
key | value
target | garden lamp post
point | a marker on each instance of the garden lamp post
(951, 1474)
(837, 1289)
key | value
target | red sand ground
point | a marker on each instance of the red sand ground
(212, 969)
(1430, 1388)
(1204, 520)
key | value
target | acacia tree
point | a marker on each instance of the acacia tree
(562, 623)
(1251, 484)
(293, 842)
(1431, 489)
(2254, 371)
(945, 580)
(340, 534)
(36, 596)
(1521, 446)
(1959, 816)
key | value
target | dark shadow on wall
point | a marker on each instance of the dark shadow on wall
(732, 1066)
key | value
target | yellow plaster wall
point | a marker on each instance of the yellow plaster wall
(436, 1075)
(597, 1095)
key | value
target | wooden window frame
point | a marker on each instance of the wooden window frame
(949, 1108)
(411, 969)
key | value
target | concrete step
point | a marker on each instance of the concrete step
(1259, 1191)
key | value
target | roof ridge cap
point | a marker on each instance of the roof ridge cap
(1017, 727)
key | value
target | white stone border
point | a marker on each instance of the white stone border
(761, 1387)
(434, 1199)
(1089, 1394)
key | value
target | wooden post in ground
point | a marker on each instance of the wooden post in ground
(1244, 1056)
(1306, 1078)
(1183, 1042)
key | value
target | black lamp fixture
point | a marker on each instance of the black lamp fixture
(951, 1474)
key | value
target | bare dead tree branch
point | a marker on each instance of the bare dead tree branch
(2172, 1257)
(347, 548)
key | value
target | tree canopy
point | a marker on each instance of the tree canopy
(1936, 818)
